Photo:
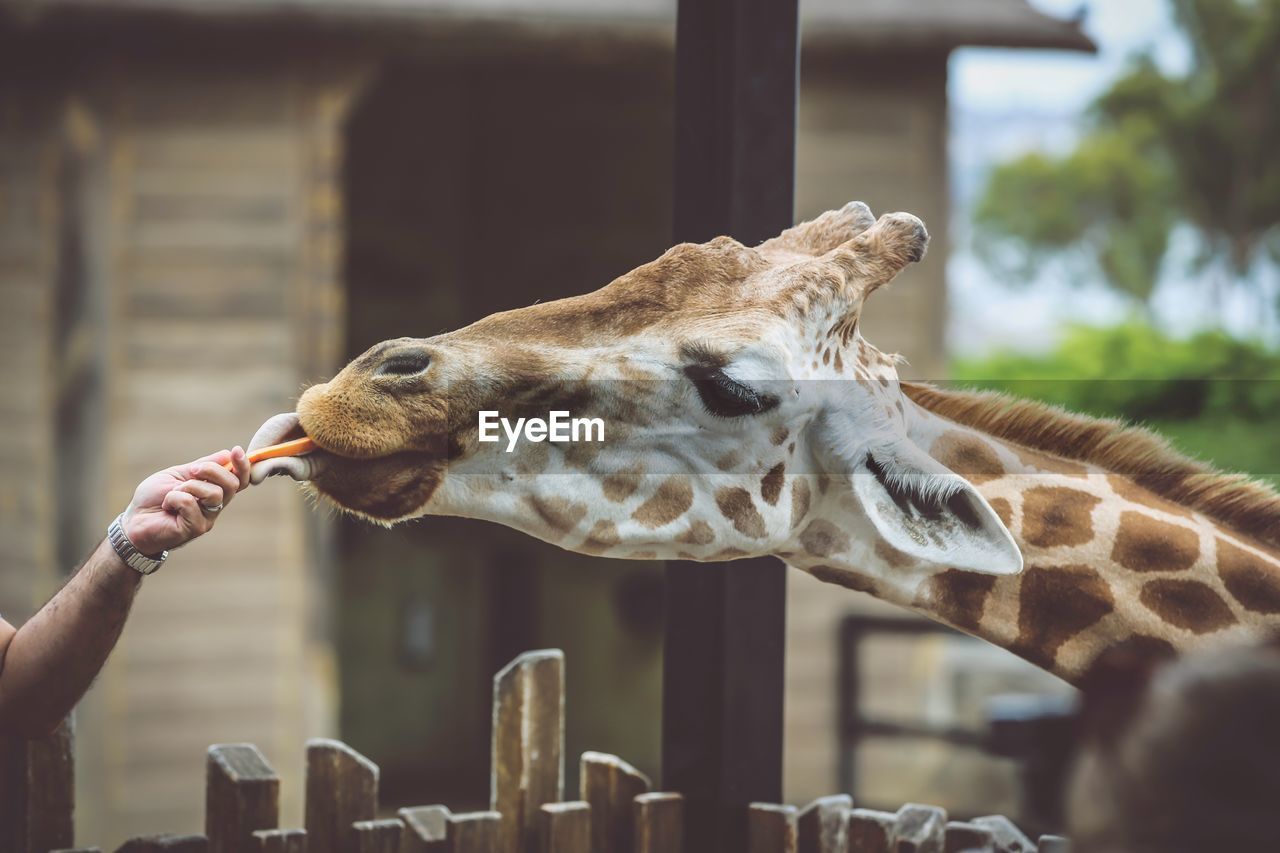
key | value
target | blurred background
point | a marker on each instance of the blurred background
(207, 204)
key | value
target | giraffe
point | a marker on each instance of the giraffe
(747, 415)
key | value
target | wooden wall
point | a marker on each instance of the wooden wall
(29, 156)
(209, 251)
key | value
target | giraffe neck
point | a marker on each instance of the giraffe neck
(1106, 561)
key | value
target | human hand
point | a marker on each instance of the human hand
(174, 506)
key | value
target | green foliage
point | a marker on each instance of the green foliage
(1160, 151)
(1214, 396)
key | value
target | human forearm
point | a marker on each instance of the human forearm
(54, 657)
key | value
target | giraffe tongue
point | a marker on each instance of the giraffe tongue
(275, 431)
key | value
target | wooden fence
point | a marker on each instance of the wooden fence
(616, 811)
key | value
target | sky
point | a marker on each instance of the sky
(1004, 102)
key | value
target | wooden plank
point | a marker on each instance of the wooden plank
(279, 841)
(564, 827)
(771, 828)
(969, 838)
(920, 829)
(426, 829)
(165, 844)
(527, 755)
(342, 788)
(1054, 844)
(77, 850)
(376, 836)
(610, 785)
(871, 831)
(823, 825)
(242, 794)
(474, 832)
(37, 791)
(659, 821)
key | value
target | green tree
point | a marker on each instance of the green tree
(1161, 151)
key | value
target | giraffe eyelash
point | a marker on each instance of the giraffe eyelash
(726, 397)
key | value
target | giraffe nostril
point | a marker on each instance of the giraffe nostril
(404, 364)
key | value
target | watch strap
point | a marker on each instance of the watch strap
(125, 550)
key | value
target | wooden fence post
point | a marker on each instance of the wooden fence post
(871, 831)
(37, 791)
(527, 756)
(659, 820)
(823, 825)
(476, 832)
(772, 829)
(610, 785)
(166, 844)
(1054, 844)
(377, 836)
(342, 788)
(564, 828)
(920, 829)
(969, 838)
(426, 829)
(242, 794)
(279, 841)
(1007, 836)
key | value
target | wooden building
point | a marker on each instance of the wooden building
(206, 204)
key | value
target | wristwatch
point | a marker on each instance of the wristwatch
(133, 558)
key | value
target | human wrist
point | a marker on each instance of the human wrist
(135, 551)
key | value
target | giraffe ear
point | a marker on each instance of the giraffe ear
(927, 511)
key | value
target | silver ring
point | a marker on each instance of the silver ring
(212, 510)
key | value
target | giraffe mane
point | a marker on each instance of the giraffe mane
(1242, 504)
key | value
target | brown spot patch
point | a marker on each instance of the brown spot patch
(822, 539)
(1048, 462)
(533, 460)
(1187, 604)
(726, 554)
(699, 533)
(603, 536)
(1249, 578)
(736, 505)
(669, 501)
(968, 456)
(956, 597)
(771, 485)
(580, 454)
(799, 500)
(1055, 604)
(622, 484)
(559, 514)
(824, 483)
(1003, 510)
(1131, 491)
(1056, 515)
(1147, 544)
(729, 461)
(839, 365)
(642, 555)
(891, 555)
(780, 435)
(843, 577)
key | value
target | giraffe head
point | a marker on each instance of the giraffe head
(743, 414)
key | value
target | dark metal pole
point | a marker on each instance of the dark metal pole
(736, 83)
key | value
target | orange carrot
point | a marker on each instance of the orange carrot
(297, 447)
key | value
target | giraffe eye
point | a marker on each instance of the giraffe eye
(726, 397)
